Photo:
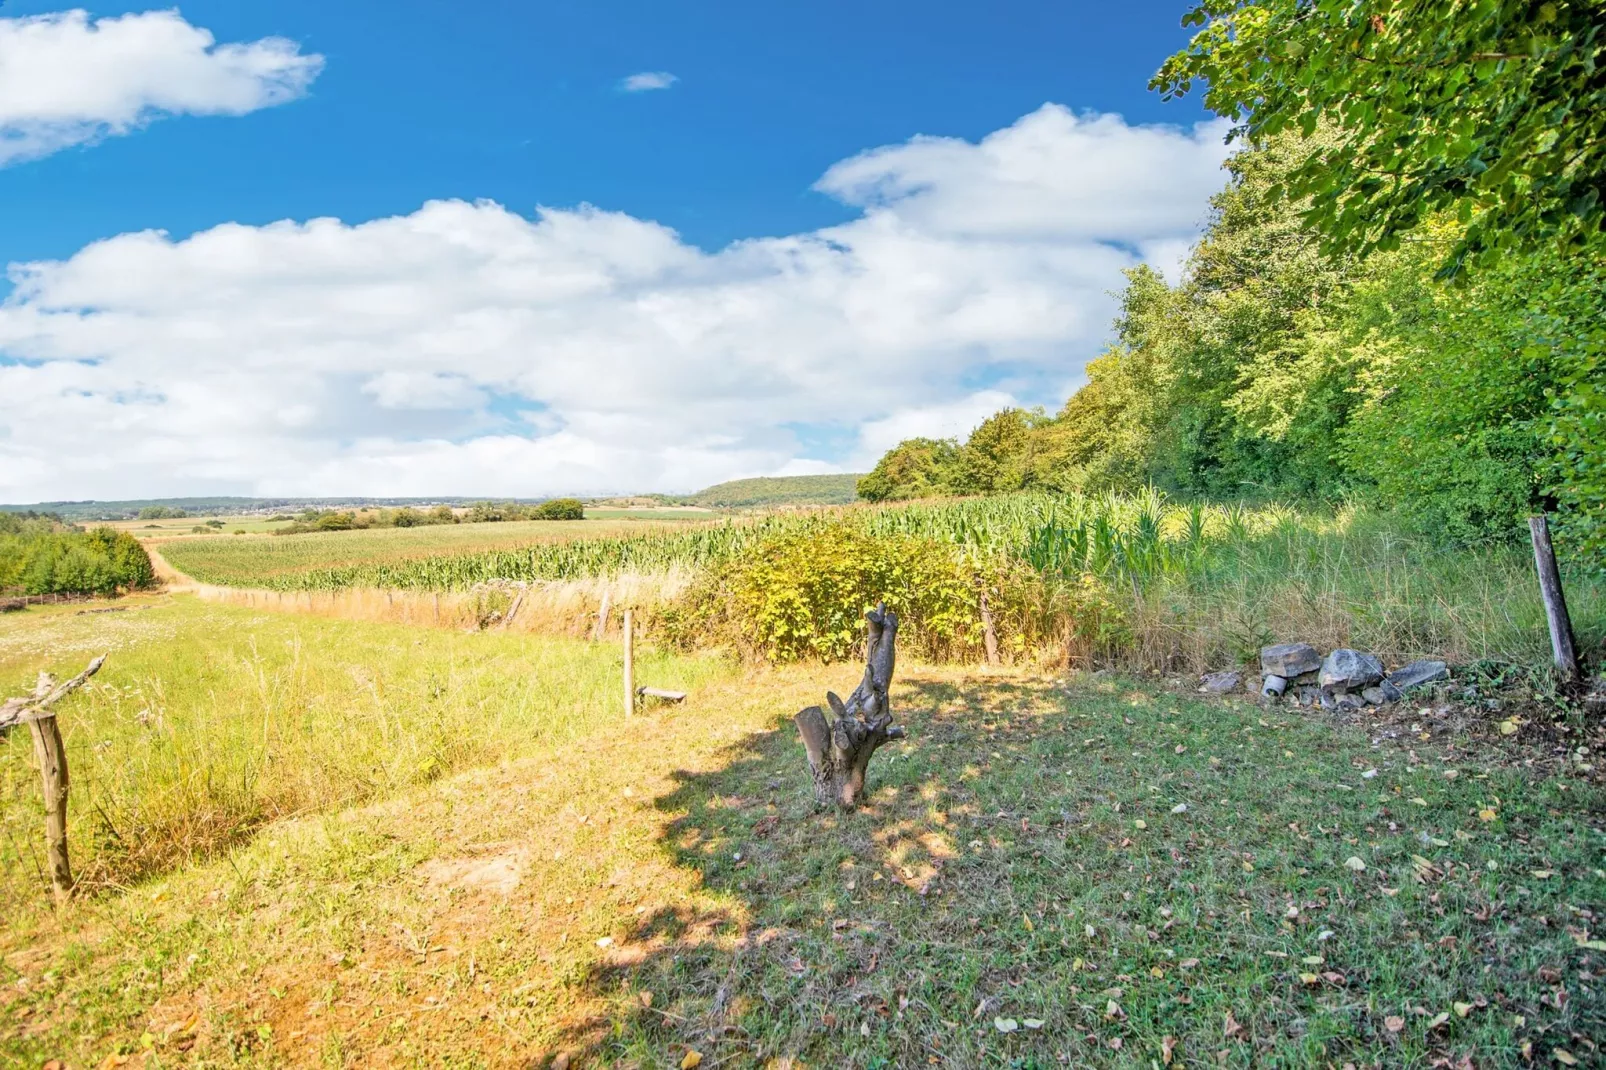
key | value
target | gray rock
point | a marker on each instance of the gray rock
(1219, 683)
(1309, 696)
(1376, 696)
(1350, 670)
(1272, 686)
(1346, 701)
(1425, 671)
(1289, 659)
(1328, 702)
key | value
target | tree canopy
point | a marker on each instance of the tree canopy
(1490, 111)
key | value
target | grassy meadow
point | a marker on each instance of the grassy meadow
(210, 721)
(1083, 870)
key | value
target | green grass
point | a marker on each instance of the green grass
(209, 721)
(671, 889)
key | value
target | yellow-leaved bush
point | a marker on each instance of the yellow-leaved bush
(802, 595)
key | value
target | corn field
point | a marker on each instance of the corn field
(1127, 536)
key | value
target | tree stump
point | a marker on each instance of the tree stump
(840, 752)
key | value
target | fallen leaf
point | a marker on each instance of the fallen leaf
(1140, 824)
(1231, 1027)
(1509, 726)
(1309, 979)
(1564, 1057)
(1394, 1023)
(646, 998)
(1542, 874)
(1168, 1045)
(1353, 862)
(1461, 1009)
(1005, 1025)
(1032, 1023)
(1180, 808)
(1115, 1043)
(606, 941)
(692, 1060)
(1486, 815)
(1187, 964)
(1026, 923)
(1438, 1020)
(1113, 1011)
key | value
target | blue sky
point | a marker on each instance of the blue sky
(366, 113)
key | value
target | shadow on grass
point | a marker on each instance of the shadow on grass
(1109, 876)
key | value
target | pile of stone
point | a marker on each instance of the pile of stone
(1344, 679)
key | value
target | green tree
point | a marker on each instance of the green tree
(1493, 111)
(560, 509)
(914, 468)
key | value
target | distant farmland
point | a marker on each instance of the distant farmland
(281, 562)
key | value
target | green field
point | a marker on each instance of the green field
(282, 562)
(1189, 586)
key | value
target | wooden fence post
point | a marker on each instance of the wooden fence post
(35, 710)
(630, 669)
(1562, 647)
(52, 758)
(600, 629)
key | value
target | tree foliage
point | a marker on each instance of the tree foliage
(1490, 111)
(41, 555)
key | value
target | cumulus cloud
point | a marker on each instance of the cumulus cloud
(465, 348)
(67, 80)
(647, 80)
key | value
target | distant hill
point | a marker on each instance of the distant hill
(778, 490)
(122, 510)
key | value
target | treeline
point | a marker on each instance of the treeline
(1275, 370)
(41, 555)
(408, 517)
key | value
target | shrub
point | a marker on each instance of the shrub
(560, 509)
(65, 561)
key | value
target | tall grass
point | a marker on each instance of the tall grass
(212, 720)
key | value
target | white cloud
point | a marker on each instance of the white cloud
(66, 80)
(646, 80)
(465, 348)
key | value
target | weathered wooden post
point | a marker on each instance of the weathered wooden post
(600, 629)
(839, 753)
(1563, 648)
(989, 636)
(35, 711)
(630, 669)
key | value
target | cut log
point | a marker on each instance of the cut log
(658, 692)
(839, 751)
